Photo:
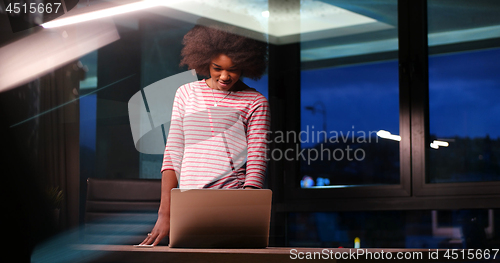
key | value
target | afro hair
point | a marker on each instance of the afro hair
(204, 43)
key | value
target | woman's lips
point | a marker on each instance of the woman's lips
(224, 84)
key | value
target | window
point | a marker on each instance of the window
(463, 90)
(343, 110)
(468, 228)
(350, 113)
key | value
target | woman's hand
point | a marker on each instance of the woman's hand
(162, 226)
(160, 231)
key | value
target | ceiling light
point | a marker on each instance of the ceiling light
(63, 21)
(388, 135)
(441, 143)
(436, 144)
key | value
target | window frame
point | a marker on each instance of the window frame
(412, 192)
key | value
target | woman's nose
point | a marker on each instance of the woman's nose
(224, 76)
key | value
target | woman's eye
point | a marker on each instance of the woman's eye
(217, 69)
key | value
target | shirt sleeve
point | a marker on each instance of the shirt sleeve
(258, 128)
(174, 149)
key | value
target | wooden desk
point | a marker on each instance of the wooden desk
(125, 254)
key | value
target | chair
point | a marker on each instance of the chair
(120, 211)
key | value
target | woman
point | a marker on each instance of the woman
(217, 136)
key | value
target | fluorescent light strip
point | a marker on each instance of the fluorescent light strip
(436, 144)
(102, 13)
(388, 135)
(441, 143)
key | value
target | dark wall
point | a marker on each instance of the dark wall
(161, 55)
(119, 64)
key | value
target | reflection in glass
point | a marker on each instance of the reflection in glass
(356, 149)
(464, 123)
(464, 88)
(395, 229)
(349, 98)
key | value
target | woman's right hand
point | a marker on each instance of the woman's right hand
(162, 226)
(160, 230)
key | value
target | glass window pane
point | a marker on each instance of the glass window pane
(349, 94)
(149, 50)
(473, 228)
(464, 88)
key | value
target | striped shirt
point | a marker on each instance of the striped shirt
(221, 146)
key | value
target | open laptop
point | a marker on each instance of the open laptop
(220, 218)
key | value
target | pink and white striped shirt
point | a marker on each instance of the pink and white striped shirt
(221, 146)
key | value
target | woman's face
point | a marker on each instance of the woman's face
(224, 74)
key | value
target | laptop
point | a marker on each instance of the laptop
(220, 218)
